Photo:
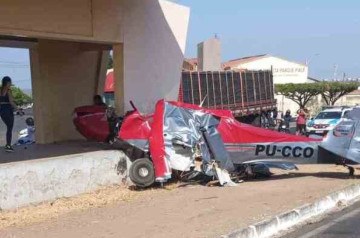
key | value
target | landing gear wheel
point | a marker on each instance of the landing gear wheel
(142, 173)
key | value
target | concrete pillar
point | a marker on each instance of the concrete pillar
(118, 62)
(154, 42)
(43, 123)
(65, 76)
(102, 69)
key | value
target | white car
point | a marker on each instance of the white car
(344, 141)
(326, 120)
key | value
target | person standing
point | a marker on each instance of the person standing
(7, 107)
(275, 116)
(301, 122)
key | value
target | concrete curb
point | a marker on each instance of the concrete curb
(294, 217)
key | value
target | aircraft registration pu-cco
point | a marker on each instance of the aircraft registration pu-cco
(188, 140)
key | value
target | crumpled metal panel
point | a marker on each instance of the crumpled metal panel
(344, 140)
(354, 150)
(186, 128)
(354, 114)
(218, 148)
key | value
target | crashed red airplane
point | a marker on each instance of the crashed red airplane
(194, 141)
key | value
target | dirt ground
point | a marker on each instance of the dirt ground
(177, 211)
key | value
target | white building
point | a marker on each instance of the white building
(352, 99)
(284, 71)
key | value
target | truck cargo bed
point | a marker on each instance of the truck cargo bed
(242, 92)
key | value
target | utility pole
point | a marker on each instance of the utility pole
(335, 72)
(307, 62)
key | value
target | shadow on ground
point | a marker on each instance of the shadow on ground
(333, 175)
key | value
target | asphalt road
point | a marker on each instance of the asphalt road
(19, 124)
(340, 225)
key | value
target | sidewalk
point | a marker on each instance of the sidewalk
(192, 211)
(37, 151)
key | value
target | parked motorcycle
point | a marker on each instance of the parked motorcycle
(284, 126)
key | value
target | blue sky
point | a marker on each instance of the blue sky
(293, 29)
(15, 63)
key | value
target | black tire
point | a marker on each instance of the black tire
(142, 173)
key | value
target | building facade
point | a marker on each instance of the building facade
(352, 99)
(190, 64)
(284, 71)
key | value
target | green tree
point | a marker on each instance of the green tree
(300, 93)
(20, 97)
(333, 91)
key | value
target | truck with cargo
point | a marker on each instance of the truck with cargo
(245, 93)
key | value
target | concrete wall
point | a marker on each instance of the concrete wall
(148, 39)
(284, 104)
(349, 100)
(314, 106)
(81, 20)
(154, 43)
(119, 81)
(36, 181)
(102, 71)
(64, 77)
(209, 55)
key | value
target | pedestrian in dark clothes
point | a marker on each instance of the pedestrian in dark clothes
(7, 107)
